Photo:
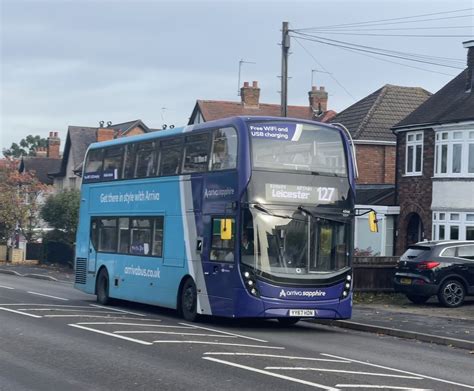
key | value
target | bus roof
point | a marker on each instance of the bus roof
(205, 125)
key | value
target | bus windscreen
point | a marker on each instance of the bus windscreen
(291, 146)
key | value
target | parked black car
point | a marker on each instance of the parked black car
(442, 268)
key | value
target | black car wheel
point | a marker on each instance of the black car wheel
(451, 293)
(417, 299)
(188, 301)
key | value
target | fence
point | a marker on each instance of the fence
(374, 274)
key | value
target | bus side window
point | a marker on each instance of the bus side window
(129, 164)
(145, 160)
(113, 160)
(141, 237)
(196, 153)
(221, 250)
(93, 162)
(158, 237)
(108, 235)
(170, 159)
(224, 149)
(124, 235)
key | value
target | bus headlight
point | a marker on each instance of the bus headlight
(250, 281)
(347, 287)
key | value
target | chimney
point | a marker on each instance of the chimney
(318, 100)
(250, 95)
(41, 152)
(469, 45)
(53, 145)
(104, 134)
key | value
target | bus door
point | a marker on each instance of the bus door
(93, 243)
(219, 264)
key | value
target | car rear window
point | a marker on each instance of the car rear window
(415, 251)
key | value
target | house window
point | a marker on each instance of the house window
(454, 153)
(414, 153)
(454, 226)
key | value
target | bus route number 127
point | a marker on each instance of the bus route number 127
(325, 194)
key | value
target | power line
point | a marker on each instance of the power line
(395, 28)
(387, 20)
(397, 35)
(398, 63)
(440, 61)
(321, 65)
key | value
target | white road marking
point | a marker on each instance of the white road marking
(111, 334)
(174, 333)
(116, 310)
(65, 310)
(343, 371)
(225, 332)
(46, 305)
(52, 297)
(275, 356)
(81, 316)
(6, 287)
(131, 324)
(364, 386)
(20, 312)
(292, 379)
(401, 371)
(221, 343)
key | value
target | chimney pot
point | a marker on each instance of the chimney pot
(314, 88)
(250, 95)
(322, 88)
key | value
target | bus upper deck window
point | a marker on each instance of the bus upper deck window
(224, 149)
(196, 153)
(94, 161)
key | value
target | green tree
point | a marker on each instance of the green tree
(61, 211)
(26, 147)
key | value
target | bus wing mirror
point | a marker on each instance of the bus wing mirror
(373, 222)
(226, 229)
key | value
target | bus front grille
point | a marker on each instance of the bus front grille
(81, 270)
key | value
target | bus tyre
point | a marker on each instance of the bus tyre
(103, 288)
(288, 321)
(188, 301)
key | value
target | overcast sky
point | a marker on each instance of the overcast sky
(79, 62)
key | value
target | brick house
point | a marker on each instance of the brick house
(78, 139)
(208, 110)
(435, 164)
(369, 121)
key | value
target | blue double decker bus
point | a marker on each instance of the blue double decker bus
(240, 217)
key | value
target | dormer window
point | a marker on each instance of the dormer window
(414, 153)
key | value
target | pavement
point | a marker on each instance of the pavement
(384, 314)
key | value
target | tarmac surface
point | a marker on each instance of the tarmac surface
(429, 322)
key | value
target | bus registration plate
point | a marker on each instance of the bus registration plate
(301, 313)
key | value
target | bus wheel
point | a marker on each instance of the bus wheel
(103, 288)
(189, 301)
(288, 321)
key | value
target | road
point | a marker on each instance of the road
(54, 337)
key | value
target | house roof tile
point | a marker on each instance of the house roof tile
(450, 104)
(372, 117)
(41, 166)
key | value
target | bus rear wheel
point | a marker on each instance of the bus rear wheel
(102, 288)
(188, 301)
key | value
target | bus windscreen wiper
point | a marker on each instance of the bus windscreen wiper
(268, 212)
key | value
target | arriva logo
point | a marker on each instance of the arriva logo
(317, 293)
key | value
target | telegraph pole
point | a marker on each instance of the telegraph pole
(285, 47)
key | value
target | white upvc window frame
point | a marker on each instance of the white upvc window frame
(449, 220)
(447, 140)
(413, 141)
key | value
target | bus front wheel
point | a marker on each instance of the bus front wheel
(188, 301)
(103, 288)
